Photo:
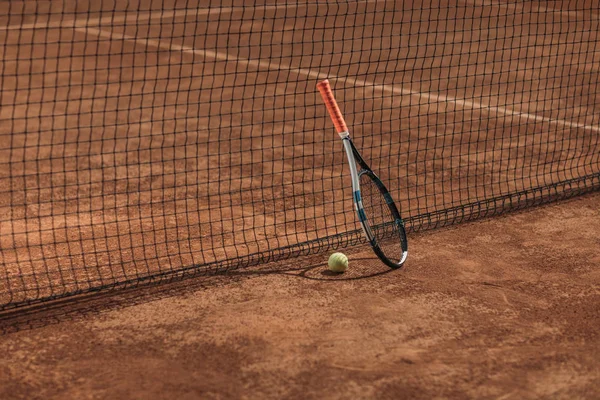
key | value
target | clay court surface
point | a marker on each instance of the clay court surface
(502, 308)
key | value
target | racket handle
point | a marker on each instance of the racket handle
(333, 108)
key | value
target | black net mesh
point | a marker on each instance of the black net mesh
(146, 140)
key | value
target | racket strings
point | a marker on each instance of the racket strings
(381, 220)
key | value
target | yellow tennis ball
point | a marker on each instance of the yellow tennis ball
(338, 262)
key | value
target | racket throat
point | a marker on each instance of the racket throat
(352, 164)
(356, 189)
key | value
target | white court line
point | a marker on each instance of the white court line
(78, 23)
(539, 9)
(204, 53)
(431, 97)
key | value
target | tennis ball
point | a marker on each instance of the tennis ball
(338, 262)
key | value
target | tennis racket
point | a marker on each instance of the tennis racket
(377, 213)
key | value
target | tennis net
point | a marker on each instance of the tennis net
(145, 141)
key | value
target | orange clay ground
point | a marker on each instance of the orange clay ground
(506, 308)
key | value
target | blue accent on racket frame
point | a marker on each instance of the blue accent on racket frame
(361, 215)
(388, 198)
(357, 198)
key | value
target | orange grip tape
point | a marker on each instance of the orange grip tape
(332, 106)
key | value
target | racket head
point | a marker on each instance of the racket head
(381, 220)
